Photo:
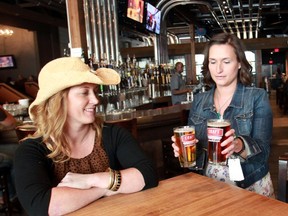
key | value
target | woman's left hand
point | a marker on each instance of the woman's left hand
(232, 143)
(75, 180)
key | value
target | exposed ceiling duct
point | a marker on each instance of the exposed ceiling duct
(246, 18)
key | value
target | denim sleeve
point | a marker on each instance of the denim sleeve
(261, 134)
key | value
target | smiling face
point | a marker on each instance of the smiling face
(81, 104)
(223, 65)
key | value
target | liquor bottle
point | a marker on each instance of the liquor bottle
(163, 75)
(128, 60)
(105, 61)
(156, 75)
(90, 60)
(120, 60)
(134, 61)
(95, 62)
(83, 56)
(65, 53)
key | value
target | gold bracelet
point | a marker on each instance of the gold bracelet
(113, 188)
(112, 178)
(117, 181)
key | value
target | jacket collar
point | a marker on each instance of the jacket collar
(237, 100)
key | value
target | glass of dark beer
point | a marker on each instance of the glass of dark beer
(216, 129)
(185, 140)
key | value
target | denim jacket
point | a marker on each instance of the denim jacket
(251, 117)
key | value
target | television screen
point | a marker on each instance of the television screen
(153, 19)
(7, 61)
(135, 10)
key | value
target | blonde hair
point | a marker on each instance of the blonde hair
(50, 119)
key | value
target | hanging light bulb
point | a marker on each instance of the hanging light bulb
(6, 32)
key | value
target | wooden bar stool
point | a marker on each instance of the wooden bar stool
(282, 178)
(23, 131)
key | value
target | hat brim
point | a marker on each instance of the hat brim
(102, 76)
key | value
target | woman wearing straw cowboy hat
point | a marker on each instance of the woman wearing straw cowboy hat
(73, 158)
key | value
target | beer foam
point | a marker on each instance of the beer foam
(218, 124)
(181, 130)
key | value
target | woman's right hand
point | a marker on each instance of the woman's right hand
(175, 147)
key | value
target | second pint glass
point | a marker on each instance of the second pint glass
(184, 136)
(216, 129)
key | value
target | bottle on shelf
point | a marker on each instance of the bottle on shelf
(90, 60)
(134, 61)
(65, 53)
(83, 56)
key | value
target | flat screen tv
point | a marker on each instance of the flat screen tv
(7, 61)
(135, 10)
(153, 18)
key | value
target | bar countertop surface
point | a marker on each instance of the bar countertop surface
(187, 194)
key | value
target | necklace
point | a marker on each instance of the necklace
(220, 107)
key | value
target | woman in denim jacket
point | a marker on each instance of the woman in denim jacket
(232, 97)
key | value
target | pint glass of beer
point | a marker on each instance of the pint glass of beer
(184, 136)
(216, 129)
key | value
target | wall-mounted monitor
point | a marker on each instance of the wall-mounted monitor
(135, 10)
(153, 18)
(7, 61)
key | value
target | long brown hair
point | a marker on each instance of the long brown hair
(50, 118)
(244, 73)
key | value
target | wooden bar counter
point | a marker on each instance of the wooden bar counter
(156, 125)
(188, 194)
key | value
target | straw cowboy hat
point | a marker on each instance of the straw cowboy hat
(66, 72)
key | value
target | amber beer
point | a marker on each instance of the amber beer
(185, 136)
(216, 129)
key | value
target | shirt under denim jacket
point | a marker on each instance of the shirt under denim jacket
(251, 117)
